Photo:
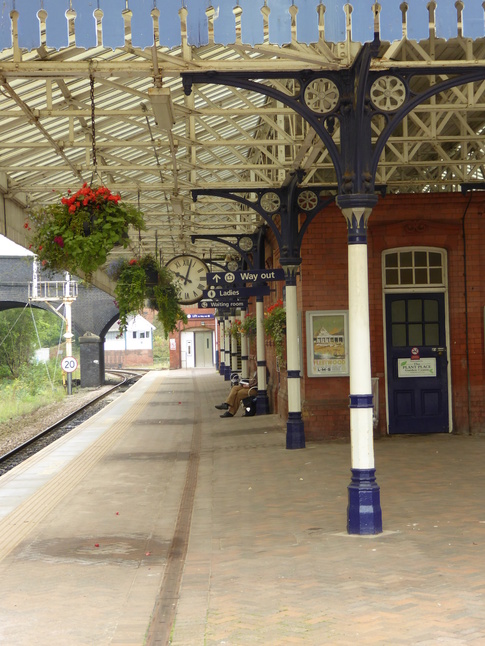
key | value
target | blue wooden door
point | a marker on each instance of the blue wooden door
(417, 375)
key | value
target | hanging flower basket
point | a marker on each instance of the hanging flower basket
(248, 326)
(275, 328)
(235, 329)
(142, 282)
(77, 234)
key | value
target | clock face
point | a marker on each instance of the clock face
(190, 274)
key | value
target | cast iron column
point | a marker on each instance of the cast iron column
(233, 349)
(364, 515)
(295, 433)
(222, 352)
(227, 349)
(262, 403)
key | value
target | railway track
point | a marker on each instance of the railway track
(63, 426)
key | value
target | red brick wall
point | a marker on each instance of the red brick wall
(192, 324)
(437, 220)
(127, 358)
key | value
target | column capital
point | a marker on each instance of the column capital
(356, 209)
(291, 270)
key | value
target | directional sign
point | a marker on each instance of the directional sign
(222, 293)
(249, 276)
(223, 304)
(69, 364)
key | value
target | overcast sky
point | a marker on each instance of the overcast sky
(10, 248)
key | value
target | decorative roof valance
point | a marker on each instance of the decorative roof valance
(247, 21)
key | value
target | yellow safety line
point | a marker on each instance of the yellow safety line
(20, 522)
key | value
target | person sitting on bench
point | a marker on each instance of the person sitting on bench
(237, 394)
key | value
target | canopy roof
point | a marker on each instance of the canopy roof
(223, 137)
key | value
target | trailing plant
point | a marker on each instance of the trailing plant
(77, 233)
(275, 328)
(235, 329)
(144, 280)
(248, 326)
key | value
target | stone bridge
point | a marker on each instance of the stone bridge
(93, 312)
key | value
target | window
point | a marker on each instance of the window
(134, 335)
(410, 268)
(142, 335)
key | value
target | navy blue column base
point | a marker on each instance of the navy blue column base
(262, 403)
(295, 433)
(364, 515)
(227, 373)
(221, 368)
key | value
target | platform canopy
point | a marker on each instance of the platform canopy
(54, 52)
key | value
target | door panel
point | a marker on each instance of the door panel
(203, 349)
(417, 377)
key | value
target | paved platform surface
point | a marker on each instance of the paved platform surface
(267, 560)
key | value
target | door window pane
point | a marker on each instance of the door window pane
(398, 311)
(430, 310)
(415, 331)
(431, 334)
(398, 335)
(415, 310)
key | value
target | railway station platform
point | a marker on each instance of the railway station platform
(158, 522)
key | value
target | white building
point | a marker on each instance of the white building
(134, 346)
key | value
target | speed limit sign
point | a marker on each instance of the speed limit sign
(69, 364)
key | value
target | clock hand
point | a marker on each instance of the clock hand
(182, 277)
(187, 275)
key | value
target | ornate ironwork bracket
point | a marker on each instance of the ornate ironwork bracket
(355, 101)
(280, 208)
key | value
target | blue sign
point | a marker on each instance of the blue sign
(222, 293)
(200, 316)
(249, 276)
(224, 304)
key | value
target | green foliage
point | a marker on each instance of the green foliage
(146, 280)
(275, 328)
(77, 234)
(17, 341)
(248, 326)
(18, 337)
(31, 390)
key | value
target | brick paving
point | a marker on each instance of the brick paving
(270, 562)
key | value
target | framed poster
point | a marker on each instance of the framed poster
(327, 343)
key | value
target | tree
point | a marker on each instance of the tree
(18, 337)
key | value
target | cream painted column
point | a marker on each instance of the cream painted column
(295, 432)
(262, 404)
(227, 349)
(244, 350)
(222, 351)
(233, 348)
(364, 509)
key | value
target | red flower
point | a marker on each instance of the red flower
(26, 225)
(133, 261)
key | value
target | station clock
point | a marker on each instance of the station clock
(190, 276)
